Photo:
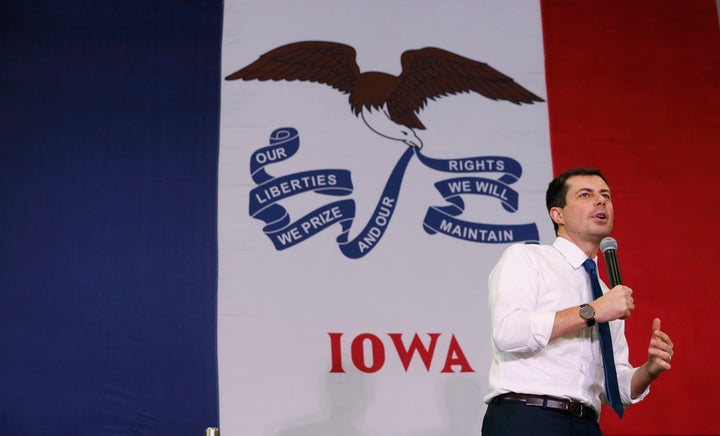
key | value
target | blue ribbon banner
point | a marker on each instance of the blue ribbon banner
(443, 219)
(380, 219)
(284, 233)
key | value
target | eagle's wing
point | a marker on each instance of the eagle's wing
(323, 62)
(432, 72)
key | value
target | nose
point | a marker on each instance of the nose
(600, 200)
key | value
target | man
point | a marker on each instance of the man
(546, 376)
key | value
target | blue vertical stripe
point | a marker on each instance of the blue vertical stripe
(109, 115)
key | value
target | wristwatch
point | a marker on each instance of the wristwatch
(588, 314)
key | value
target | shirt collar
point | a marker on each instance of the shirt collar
(574, 255)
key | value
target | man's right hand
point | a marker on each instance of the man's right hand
(617, 303)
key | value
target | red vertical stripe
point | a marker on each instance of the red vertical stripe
(634, 89)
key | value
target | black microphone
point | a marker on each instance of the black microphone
(609, 248)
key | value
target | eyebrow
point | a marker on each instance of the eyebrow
(584, 189)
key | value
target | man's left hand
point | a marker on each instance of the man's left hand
(660, 350)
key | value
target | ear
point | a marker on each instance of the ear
(556, 215)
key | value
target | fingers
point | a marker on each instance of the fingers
(628, 301)
(656, 325)
(615, 304)
(660, 335)
(663, 345)
(659, 358)
(660, 350)
(630, 305)
(663, 337)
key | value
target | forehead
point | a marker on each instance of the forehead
(592, 182)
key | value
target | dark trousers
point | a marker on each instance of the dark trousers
(514, 418)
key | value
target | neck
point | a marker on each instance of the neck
(590, 248)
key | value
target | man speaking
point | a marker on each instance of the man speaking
(558, 341)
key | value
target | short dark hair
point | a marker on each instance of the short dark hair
(558, 188)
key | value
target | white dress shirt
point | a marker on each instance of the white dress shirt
(526, 287)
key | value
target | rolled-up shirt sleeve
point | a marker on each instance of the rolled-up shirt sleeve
(517, 327)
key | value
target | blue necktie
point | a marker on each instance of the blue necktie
(611, 384)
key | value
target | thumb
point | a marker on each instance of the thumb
(656, 324)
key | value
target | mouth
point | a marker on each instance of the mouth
(602, 216)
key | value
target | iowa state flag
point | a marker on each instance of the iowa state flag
(193, 239)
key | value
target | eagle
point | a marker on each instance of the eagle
(388, 104)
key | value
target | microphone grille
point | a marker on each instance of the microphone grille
(608, 244)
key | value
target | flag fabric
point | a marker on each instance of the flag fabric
(353, 248)
(195, 235)
(108, 163)
(633, 89)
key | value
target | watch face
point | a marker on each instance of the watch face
(587, 312)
